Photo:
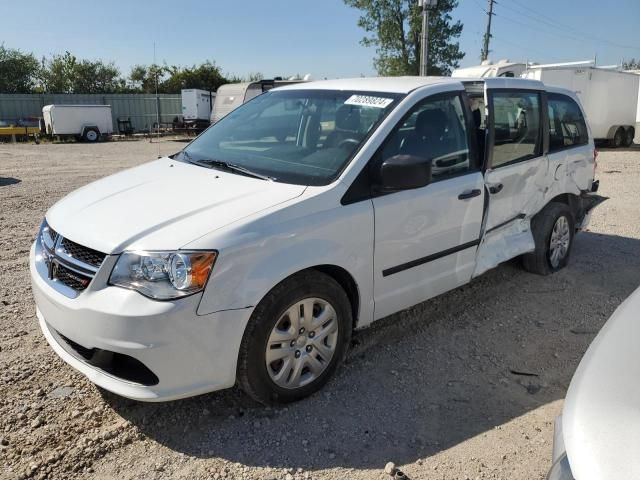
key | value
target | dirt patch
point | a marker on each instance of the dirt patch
(464, 386)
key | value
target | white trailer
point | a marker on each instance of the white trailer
(503, 68)
(609, 96)
(232, 95)
(89, 123)
(637, 139)
(196, 107)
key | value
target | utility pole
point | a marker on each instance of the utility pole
(487, 36)
(424, 42)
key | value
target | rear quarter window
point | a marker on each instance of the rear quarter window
(567, 126)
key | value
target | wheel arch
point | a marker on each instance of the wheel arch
(342, 276)
(570, 199)
(574, 202)
(348, 284)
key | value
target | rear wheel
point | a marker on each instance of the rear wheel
(618, 138)
(296, 338)
(91, 135)
(553, 231)
(628, 136)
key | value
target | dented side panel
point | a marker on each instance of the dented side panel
(527, 187)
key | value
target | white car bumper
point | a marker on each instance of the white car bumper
(137, 347)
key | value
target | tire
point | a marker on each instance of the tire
(618, 138)
(277, 382)
(542, 260)
(629, 134)
(91, 135)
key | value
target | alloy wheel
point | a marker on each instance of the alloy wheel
(559, 241)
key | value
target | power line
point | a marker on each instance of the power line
(553, 23)
(542, 19)
(526, 25)
(538, 29)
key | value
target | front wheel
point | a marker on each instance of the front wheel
(553, 230)
(296, 338)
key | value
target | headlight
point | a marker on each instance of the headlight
(163, 275)
(561, 470)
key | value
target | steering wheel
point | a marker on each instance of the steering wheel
(348, 142)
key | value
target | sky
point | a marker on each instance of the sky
(321, 37)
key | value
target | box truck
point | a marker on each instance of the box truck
(196, 107)
(89, 123)
(232, 95)
(609, 96)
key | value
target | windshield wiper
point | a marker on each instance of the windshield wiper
(222, 165)
(232, 167)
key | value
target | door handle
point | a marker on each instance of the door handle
(469, 194)
(495, 188)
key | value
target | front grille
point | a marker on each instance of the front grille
(53, 235)
(72, 279)
(68, 266)
(83, 254)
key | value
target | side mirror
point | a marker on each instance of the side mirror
(404, 172)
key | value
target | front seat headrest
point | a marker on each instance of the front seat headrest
(348, 118)
(433, 119)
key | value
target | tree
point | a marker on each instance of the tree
(172, 79)
(394, 27)
(66, 74)
(632, 64)
(206, 76)
(18, 71)
(143, 77)
(255, 77)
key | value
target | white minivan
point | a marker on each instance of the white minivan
(250, 256)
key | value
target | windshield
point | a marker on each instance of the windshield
(304, 137)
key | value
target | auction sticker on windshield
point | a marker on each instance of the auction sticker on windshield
(368, 101)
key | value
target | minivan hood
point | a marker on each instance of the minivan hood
(161, 205)
(601, 414)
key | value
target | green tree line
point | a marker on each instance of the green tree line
(22, 72)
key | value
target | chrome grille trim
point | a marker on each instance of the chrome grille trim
(82, 254)
(62, 254)
(51, 255)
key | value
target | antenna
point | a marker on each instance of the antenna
(155, 69)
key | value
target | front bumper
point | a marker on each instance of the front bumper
(560, 469)
(189, 354)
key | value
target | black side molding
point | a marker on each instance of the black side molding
(520, 216)
(429, 258)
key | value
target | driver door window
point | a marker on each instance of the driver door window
(434, 129)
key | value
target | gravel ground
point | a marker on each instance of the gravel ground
(435, 389)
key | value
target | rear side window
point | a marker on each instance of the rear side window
(516, 124)
(567, 127)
